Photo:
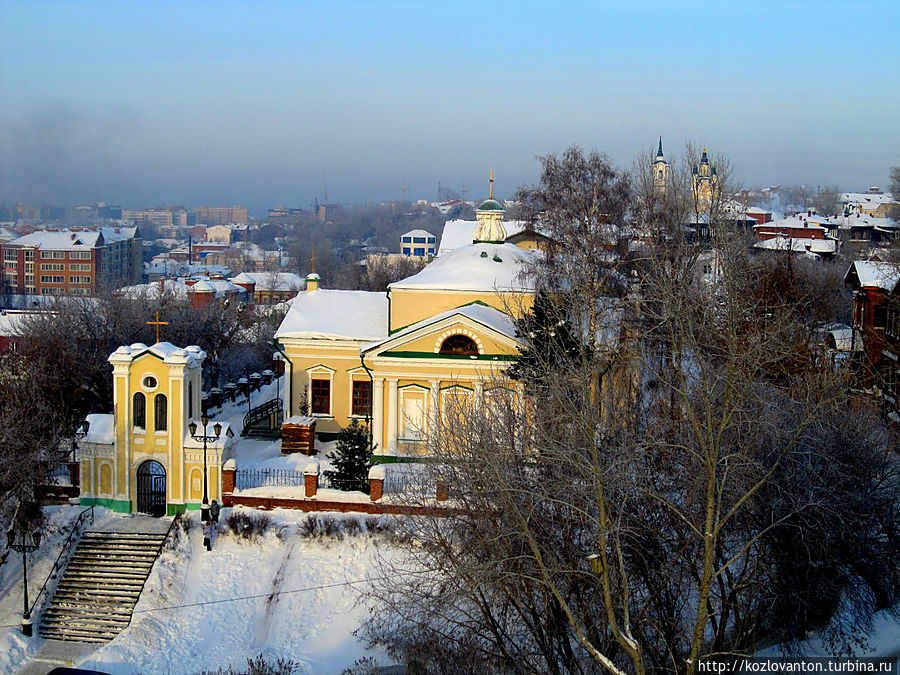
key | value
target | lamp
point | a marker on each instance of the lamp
(23, 547)
(217, 430)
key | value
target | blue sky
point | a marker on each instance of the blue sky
(145, 103)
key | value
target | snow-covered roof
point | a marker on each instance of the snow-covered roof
(781, 243)
(101, 428)
(62, 240)
(11, 321)
(272, 281)
(866, 199)
(800, 221)
(872, 274)
(417, 233)
(863, 220)
(484, 314)
(328, 313)
(458, 233)
(168, 352)
(202, 286)
(74, 240)
(476, 267)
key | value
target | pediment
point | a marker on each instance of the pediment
(490, 330)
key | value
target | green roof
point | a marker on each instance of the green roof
(490, 205)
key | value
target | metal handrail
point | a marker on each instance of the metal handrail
(262, 411)
(65, 547)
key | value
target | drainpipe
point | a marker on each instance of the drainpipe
(362, 360)
(288, 385)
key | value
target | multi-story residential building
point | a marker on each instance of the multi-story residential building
(72, 262)
(219, 215)
(160, 218)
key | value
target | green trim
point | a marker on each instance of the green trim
(116, 505)
(399, 459)
(326, 436)
(466, 357)
(175, 509)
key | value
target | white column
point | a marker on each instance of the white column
(392, 416)
(378, 414)
(434, 411)
(479, 395)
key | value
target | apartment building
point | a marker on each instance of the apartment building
(72, 262)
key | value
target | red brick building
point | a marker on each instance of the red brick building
(876, 327)
(72, 262)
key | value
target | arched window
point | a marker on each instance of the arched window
(139, 410)
(159, 412)
(190, 396)
(459, 344)
(660, 174)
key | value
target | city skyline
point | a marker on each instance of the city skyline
(150, 103)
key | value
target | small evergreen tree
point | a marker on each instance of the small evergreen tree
(352, 458)
(550, 342)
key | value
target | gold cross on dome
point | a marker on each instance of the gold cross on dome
(157, 323)
(492, 185)
(313, 261)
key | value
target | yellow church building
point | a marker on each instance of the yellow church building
(394, 359)
(143, 457)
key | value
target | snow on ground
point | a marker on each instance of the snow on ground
(205, 610)
(15, 648)
(285, 596)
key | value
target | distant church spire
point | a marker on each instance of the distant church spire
(659, 153)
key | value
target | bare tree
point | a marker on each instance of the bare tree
(630, 516)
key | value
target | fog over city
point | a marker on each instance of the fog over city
(150, 103)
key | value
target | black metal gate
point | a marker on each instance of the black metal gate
(151, 488)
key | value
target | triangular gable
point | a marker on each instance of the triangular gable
(491, 330)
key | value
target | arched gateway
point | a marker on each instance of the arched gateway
(151, 488)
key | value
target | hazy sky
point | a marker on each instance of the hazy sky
(145, 103)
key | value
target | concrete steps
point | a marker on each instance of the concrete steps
(95, 598)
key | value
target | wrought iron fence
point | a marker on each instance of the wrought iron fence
(245, 479)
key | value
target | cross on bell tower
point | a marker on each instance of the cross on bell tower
(157, 323)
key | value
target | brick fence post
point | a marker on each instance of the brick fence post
(376, 482)
(311, 478)
(228, 470)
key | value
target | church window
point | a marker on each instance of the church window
(321, 397)
(362, 398)
(160, 410)
(460, 345)
(139, 410)
(660, 175)
(419, 251)
(149, 382)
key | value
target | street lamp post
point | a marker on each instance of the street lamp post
(80, 432)
(23, 547)
(217, 430)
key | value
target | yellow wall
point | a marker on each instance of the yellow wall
(409, 306)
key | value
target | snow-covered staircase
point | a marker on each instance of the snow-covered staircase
(96, 596)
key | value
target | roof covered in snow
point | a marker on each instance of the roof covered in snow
(168, 352)
(458, 233)
(818, 246)
(272, 281)
(801, 221)
(327, 313)
(872, 274)
(101, 429)
(476, 267)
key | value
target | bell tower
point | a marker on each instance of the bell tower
(660, 168)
